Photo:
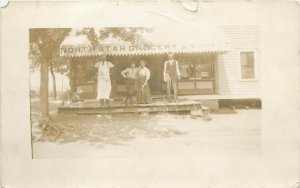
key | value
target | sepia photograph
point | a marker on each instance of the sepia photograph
(150, 94)
(110, 91)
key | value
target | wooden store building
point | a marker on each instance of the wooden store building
(220, 62)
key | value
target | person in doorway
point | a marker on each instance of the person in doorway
(103, 81)
(171, 75)
(130, 74)
(143, 90)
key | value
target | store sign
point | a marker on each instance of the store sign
(140, 50)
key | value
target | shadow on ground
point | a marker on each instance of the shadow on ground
(99, 130)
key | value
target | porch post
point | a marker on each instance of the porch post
(113, 93)
(72, 79)
(216, 72)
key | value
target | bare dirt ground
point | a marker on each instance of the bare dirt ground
(228, 134)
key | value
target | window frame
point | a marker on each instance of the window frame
(193, 61)
(254, 51)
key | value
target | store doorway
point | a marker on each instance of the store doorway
(155, 65)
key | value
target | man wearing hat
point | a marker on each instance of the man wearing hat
(171, 75)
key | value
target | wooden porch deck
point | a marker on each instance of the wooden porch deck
(117, 107)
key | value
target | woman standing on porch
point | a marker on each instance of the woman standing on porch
(104, 84)
(143, 90)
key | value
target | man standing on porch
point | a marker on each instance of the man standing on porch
(130, 74)
(171, 75)
(104, 84)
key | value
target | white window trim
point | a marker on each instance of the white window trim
(255, 65)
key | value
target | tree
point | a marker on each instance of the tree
(128, 34)
(55, 65)
(43, 44)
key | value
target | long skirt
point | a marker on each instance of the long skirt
(103, 88)
(143, 93)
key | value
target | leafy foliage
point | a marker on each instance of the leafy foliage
(91, 34)
(127, 34)
(34, 56)
(46, 42)
(131, 34)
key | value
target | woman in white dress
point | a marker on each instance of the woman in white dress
(104, 83)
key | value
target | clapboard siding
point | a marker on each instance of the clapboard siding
(229, 72)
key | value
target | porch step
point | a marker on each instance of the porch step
(154, 97)
(210, 103)
(94, 108)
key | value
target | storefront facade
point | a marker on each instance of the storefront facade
(197, 73)
(227, 66)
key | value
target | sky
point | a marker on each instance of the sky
(60, 80)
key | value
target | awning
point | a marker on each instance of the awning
(162, 40)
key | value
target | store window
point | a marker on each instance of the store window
(185, 66)
(247, 65)
(197, 68)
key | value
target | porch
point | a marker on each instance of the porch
(185, 103)
(117, 105)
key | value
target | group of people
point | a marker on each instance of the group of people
(137, 79)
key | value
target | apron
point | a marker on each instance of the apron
(104, 84)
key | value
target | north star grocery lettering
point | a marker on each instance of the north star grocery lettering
(111, 49)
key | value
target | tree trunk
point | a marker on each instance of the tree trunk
(44, 92)
(72, 76)
(53, 80)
